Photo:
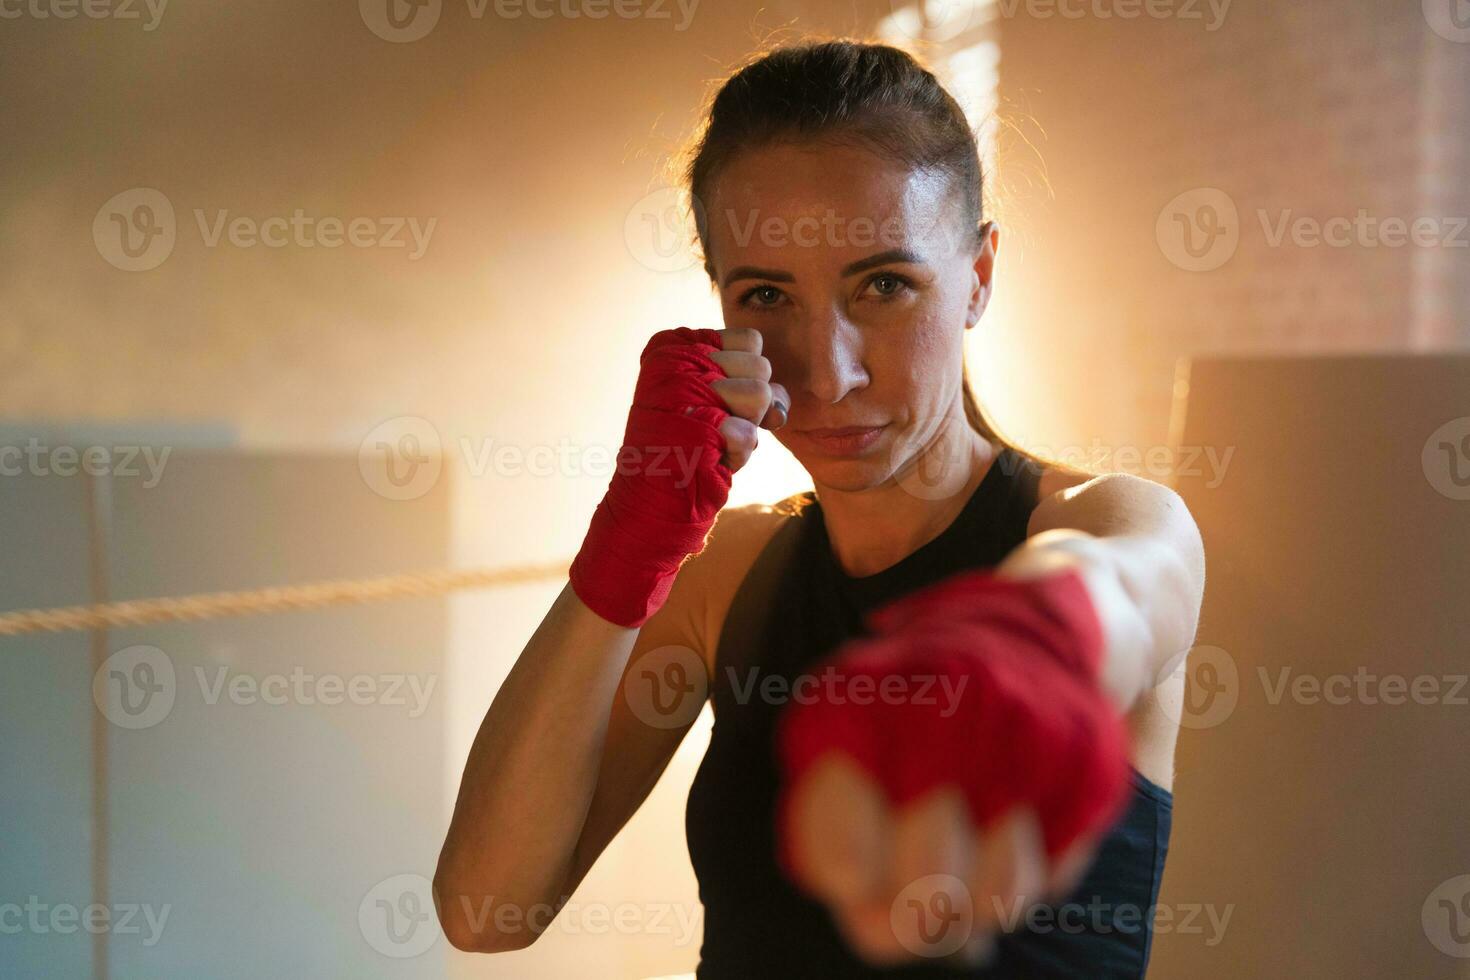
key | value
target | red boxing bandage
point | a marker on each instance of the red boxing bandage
(669, 485)
(992, 687)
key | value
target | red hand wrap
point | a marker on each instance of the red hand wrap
(669, 485)
(1024, 720)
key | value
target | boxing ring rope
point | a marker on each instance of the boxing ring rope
(308, 595)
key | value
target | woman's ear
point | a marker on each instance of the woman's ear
(984, 273)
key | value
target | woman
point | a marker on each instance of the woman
(833, 835)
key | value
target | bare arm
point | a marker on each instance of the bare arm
(558, 765)
(530, 775)
(1140, 552)
(563, 761)
(559, 755)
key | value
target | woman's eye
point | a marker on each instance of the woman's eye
(894, 284)
(888, 284)
(768, 294)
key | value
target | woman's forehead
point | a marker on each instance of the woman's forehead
(797, 180)
(800, 205)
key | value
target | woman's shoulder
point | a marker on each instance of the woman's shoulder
(739, 537)
(709, 579)
(1052, 476)
(740, 534)
(1152, 719)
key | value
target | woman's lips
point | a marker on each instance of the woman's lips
(846, 441)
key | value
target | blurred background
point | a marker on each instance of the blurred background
(307, 291)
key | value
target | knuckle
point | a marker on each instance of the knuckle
(727, 389)
(743, 364)
(743, 339)
(740, 433)
(747, 398)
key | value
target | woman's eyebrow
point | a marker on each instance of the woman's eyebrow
(751, 272)
(882, 258)
(851, 269)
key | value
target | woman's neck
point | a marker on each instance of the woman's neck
(871, 530)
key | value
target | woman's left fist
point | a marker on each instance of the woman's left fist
(958, 767)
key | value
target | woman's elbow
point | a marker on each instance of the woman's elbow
(474, 922)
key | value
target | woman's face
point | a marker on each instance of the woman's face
(861, 279)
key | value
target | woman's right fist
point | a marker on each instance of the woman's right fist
(753, 400)
(692, 423)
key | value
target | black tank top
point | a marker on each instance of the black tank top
(792, 608)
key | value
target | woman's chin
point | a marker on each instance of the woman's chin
(850, 474)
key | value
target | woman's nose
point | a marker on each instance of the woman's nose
(834, 359)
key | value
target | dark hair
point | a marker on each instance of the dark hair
(843, 91)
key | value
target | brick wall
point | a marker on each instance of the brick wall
(1292, 111)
